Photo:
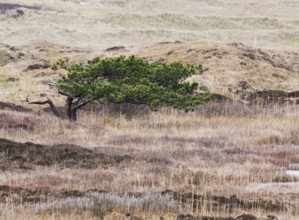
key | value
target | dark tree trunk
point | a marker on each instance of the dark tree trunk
(69, 102)
(70, 110)
(72, 114)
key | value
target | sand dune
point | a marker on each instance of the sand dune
(42, 32)
(99, 24)
(81, 29)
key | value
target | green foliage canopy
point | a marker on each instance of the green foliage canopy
(133, 80)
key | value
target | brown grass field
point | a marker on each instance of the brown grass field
(229, 160)
(222, 160)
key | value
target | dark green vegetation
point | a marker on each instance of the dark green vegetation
(129, 80)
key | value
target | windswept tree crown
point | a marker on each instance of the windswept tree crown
(132, 80)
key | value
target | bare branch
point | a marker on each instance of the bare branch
(43, 102)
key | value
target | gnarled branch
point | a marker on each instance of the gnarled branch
(44, 102)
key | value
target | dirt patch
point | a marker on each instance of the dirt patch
(116, 48)
(19, 195)
(38, 66)
(270, 96)
(16, 10)
(191, 217)
(7, 6)
(14, 107)
(9, 54)
(5, 58)
(252, 217)
(12, 79)
(29, 155)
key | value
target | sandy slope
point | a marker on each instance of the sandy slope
(233, 70)
(38, 32)
(102, 23)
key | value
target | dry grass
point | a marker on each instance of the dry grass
(106, 23)
(228, 66)
(209, 152)
(225, 150)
